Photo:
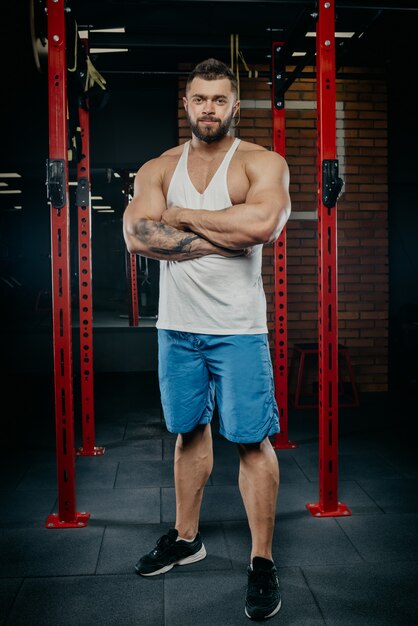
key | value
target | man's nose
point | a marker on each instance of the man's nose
(209, 107)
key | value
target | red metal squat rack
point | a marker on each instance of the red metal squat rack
(67, 516)
(85, 289)
(328, 505)
(131, 264)
(281, 440)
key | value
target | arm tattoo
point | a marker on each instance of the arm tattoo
(163, 239)
(184, 245)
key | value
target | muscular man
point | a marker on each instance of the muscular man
(205, 209)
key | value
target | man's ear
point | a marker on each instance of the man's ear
(185, 103)
(236, 107)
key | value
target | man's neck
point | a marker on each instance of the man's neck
(211, 149)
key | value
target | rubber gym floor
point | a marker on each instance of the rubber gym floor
(360, 569)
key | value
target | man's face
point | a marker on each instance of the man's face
(210, 106)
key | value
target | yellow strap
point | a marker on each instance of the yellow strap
(233, 45)
(236, 56)
(251, 73)
(247, 69)
(231, 51)
(237, 65)
(93, 76)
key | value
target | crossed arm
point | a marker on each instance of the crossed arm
(144, 232)
(259, 220)
(152, 230)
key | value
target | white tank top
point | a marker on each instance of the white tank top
(213, 294)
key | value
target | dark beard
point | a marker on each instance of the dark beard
(210, 136)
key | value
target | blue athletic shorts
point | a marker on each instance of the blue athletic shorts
(192, 368)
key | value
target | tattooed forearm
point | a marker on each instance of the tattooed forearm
(156, 240)
(144, 229)
(165, 242)
(184, 245)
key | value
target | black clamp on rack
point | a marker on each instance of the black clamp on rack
(82, 195)
(56, 183)
(332, 184)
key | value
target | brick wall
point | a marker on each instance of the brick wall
(362, 214)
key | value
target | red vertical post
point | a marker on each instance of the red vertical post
(67, 517)
(328, 505)
(281, 440)
(132, 282)
(85, 290)
(131, 262)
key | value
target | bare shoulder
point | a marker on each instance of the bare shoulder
(157, 167)
(248, 146)
(257, 157)
(173, 152)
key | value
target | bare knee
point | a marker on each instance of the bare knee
(254, 451)
(259, 459)
(193, 456)
(249, 452)
(201, 435)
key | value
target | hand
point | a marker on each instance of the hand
(226, 252)
(171, 217)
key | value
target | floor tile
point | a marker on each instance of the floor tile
(28, 507)
(87, 600)
(50, 552)
(403, 460)
(9, 588)
(394, 495)
(137, 474)
(387, 538)
(140, 450)
(367, 594)
(123, 506)
(350, 466)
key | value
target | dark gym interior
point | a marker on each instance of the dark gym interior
(335, 571)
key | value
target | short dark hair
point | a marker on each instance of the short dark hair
(212, 69)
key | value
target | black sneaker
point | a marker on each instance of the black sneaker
(169, 552)
(263, 595)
